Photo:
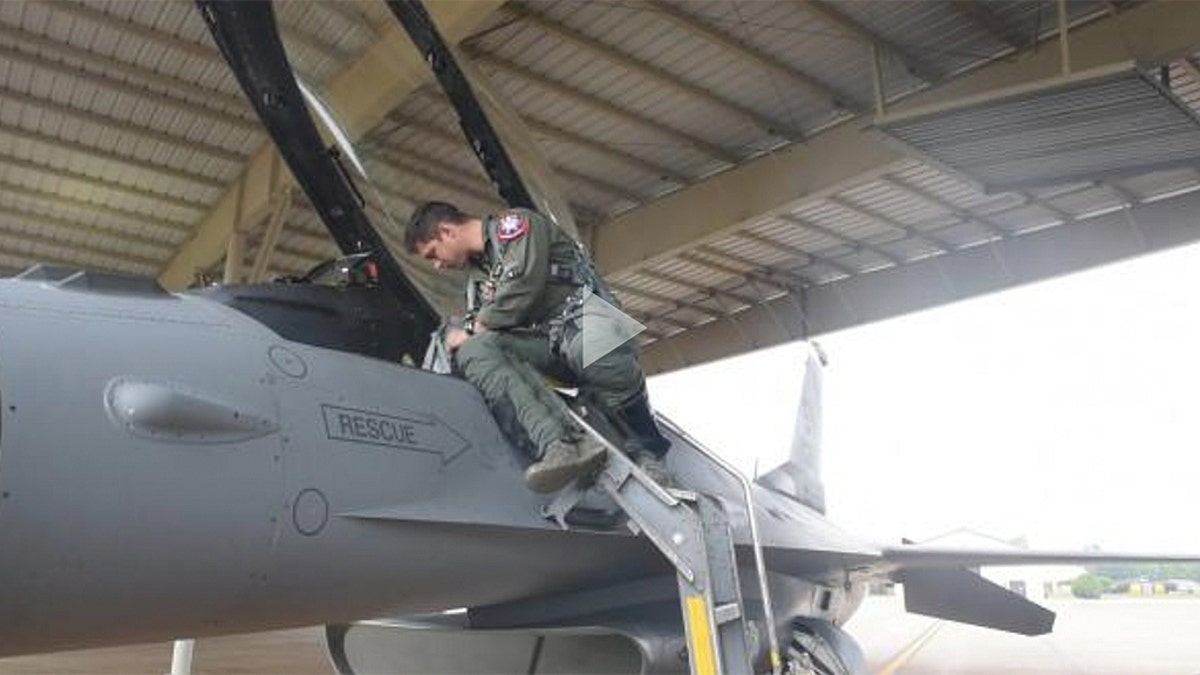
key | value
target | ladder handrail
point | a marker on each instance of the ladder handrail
(755, 540)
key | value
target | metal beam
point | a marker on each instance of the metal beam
(564, 91)
(105, 239)
(556, 134)
(270, 238)
(837, 99)
(124, 126)
(908, 231)
(56, 254)
(402, 161)
(103, 186)
(235, 258)
(660, 317)
(451, 138)
(756, 272)
(672, 303)
(979, 13)
(647, 321)
(934, 281)
(856, 245)
(174, 229)
(958, 212)
(194, 50)
(707, 291)
(161, 85)
(184, 107)
(806, 257)
(664, 78)
(1124, 193)
(102, 245)
(79, 149)
(1190, 67)
(710, 209)
(350, 13)
(844, 156)
(600, 185)
(360, 96)
(299, 35)
(855, 30)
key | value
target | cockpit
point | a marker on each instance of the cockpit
(339, 304)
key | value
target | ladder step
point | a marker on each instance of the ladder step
(728, 612)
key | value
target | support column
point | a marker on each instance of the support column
(235, 249)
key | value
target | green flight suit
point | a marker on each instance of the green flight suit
(527, 281)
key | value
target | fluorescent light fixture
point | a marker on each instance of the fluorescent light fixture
(1082, 127)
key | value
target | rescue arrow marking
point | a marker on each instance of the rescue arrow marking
(408, 431)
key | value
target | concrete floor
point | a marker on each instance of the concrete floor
(1102, 637)
(1117, 636)
(293, 652)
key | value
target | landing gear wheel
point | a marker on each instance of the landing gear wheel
(810, 654)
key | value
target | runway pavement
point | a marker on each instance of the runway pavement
(293, 652)
(1113, 636)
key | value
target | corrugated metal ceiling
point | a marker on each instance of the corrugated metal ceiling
(120, 128)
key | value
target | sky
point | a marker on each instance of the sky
(1066, 412)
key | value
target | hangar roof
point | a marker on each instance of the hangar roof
(714, 150)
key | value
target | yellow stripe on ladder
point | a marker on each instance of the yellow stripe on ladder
(700, 644)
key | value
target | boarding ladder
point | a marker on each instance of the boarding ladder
(692, 531)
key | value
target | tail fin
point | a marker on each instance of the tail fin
(800, 477)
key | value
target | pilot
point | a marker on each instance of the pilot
(528, 283)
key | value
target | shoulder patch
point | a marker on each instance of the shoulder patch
(512, 225)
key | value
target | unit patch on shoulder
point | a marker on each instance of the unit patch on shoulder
(512, 226)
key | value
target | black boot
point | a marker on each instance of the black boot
(636, 420)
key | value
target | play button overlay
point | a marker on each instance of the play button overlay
(605, 327)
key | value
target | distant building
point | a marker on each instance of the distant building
(1035, 582)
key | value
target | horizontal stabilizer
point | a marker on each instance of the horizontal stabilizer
(964, 596)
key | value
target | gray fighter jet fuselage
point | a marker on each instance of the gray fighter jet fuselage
(171, 466)
(248, 458)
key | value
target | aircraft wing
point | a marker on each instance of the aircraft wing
(914, 556)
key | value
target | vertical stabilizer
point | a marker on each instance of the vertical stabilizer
(800, 477)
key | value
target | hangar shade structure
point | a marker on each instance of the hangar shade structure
(715, 153)
(1115, 121)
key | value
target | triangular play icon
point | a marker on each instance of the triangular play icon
(605, 328)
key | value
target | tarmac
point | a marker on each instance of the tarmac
(1125, 636)
(1117, 636)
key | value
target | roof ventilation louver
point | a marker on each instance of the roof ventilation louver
(1081, 127)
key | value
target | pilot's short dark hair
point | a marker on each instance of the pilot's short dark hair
(423, 224)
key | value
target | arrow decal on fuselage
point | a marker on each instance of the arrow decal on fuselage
(408, 431)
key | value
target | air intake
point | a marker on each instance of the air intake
(1085, 126)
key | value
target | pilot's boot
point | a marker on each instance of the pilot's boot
(563, 461)
(655, 468)
(640, 430)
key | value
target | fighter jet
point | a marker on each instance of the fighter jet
(247, 458)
